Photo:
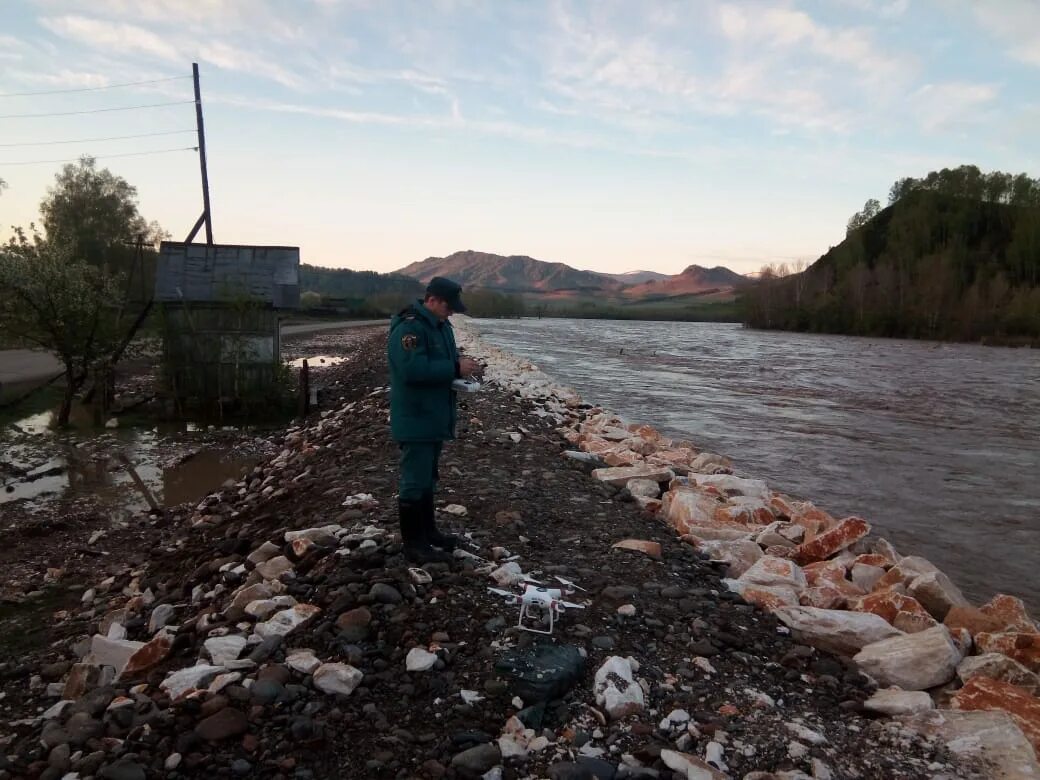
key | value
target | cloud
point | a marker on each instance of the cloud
(1016, 23)
(100, 34)
(942, 106)
(257, 17)
(107, 36)
(229, 57)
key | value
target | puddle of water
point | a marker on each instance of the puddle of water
(39, 464)
(318, 361)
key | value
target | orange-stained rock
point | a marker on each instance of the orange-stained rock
(572, 436)
(148, 656)
(744, 514)
(638, 444)
(823, 597)
(740, 554)
(1022, 647)
(595, 446)
(764, 596)
(644, 431)
(888, 604)
(905, 572)
(677, 460)
(999, 667)
(653, 549)
(974, 620)
(771, 571)
(649, 505)
(831, 573)
(779, 551)
(82, 678)
(802, 513)
(872, 559)
(618, 458)
(817, 516)
(829, 542)
(1011, 613)
(782, 505)
(686, 507)
(915, 623)
(983, 693)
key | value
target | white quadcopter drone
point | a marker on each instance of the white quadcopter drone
(537, 601)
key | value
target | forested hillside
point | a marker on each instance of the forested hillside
(956, 255)
(344, 283)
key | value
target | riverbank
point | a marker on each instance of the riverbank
(283, 635)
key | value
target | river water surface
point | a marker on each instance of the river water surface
(938, 445)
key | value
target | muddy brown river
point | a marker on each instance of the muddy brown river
(938, 445)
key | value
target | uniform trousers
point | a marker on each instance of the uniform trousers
(418, 470)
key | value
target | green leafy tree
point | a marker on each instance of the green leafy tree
(310, 299)
(870, 210)
(92, 212)
(63, 304)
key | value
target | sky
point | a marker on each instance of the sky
(610, 136)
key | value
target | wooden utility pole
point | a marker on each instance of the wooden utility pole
(205, 219)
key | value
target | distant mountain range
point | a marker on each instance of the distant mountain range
(521, 274)
(516, 274)
(638, 277)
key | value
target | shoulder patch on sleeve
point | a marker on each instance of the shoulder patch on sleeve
(409, 341)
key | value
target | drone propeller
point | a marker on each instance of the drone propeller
(570, 605)
(500, 592)
(568, 583)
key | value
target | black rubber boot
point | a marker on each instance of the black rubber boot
(447, 542)
(417, 548)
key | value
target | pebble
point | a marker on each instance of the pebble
(229, 722)
(477, 759)
(385, 594)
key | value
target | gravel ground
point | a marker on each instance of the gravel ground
(719, 679)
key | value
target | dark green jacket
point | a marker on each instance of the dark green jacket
(423, 363)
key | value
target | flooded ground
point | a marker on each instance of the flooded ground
(938, 445)
(176, 463)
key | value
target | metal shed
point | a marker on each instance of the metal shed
(221, 307)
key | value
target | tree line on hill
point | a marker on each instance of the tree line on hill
(367, 294)
(955, 255)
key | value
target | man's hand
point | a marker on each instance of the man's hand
(470, 367)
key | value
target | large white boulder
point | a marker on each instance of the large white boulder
(620, 475)
(992, 736)
(914, 662)
(727, 483)
(836, 631)
(773, 572)
(936, 593)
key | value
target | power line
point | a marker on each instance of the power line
(104, 156)
(92, 140)
(96, 110)
(91, 89)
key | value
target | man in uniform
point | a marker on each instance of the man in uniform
(424, 362)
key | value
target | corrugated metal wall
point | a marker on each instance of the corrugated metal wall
(215, 352)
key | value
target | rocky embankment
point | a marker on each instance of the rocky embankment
(275, 630)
